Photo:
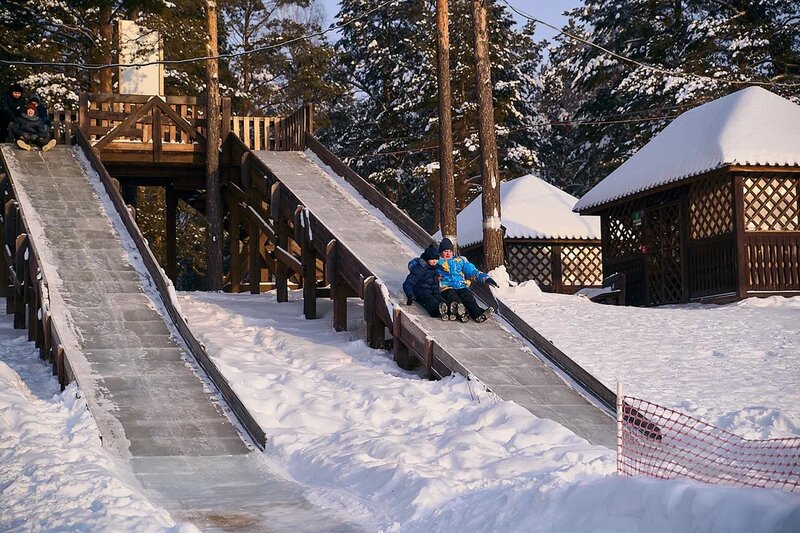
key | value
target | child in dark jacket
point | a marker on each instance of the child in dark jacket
(29, 129)
(422, 284)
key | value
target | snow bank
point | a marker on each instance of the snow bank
(406, 454)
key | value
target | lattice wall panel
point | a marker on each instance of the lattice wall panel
(581, 265)
(771, 204)
(710, 208)
(526, 262)
(623, 237)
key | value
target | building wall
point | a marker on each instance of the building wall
(556, 266)
(719, 237)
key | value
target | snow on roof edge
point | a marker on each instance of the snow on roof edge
(582, 208)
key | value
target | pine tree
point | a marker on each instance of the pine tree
(698, 46)
(388, 125)
(280, 79)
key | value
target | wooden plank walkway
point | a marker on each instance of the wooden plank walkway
(151, 408)
(488, 351)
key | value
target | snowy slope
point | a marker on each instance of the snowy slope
(749, 127)
(408, 454)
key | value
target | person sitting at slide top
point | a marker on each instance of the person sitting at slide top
(422, 284)
(455, 275)
(28, 129)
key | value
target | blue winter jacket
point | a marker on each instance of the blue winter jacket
(422, 278)
(458, 273)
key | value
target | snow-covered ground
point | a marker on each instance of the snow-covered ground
(736, 366)
(407, 454)
(54, 473)
(399, 452)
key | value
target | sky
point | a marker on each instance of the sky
(547, 10)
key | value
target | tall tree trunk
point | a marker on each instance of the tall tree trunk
(106, 47)
(490, 174)
(213, 194)
(447, 193)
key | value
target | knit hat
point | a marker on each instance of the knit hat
(446, 244)
(16, 88)
(31, 105)
(430, 253)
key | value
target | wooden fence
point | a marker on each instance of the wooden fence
(99, 114)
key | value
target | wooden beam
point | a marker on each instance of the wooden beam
(742, 267)
(125, 124)
(157, 135)
(338, 287)
(235, 243)
(309, 274)
(281, 240)
(255, 255)
(289, 260)
(399, 350)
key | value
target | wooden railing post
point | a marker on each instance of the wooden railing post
(254, 241)
(399, 349)
(556, 270)
(233, 232)
(21, 271)
(158, 135)
(309, 262)
(282, 239)
(83, 115)
(375, 328)
(338, 288)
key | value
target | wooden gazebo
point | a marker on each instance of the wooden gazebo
(709, 210)
(544, 240)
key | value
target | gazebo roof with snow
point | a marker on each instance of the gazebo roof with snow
(751, 127)
(530, 209)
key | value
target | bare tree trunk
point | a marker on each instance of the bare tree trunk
(106, 45)
(213, 194)
(447, 194)
(492, 232)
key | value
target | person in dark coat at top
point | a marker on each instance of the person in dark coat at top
(422, 284)
(11, 106)
(456, 274)
(28, 130)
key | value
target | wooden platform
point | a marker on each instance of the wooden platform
(486, 351)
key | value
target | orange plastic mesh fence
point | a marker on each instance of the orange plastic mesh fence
(659, 442)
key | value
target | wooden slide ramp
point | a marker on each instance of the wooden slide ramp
(153, 410)
(486, 351)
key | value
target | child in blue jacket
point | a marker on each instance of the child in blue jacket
(422, 284)
(455, 275)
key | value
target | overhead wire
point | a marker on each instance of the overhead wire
(230, 55)
(654, 68)
(600, 122)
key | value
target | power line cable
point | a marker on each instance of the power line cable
(331, 28)
(601, 122)
(654, 68)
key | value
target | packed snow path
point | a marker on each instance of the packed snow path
(487, 351)
(151, 408)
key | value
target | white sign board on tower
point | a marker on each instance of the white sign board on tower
(139, 45)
